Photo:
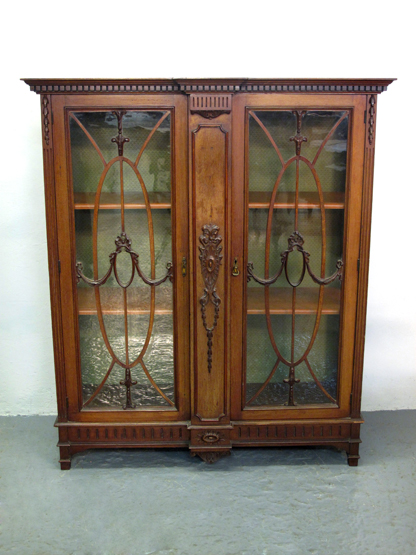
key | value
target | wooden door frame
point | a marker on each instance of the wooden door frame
(354, 187)
(69, 369)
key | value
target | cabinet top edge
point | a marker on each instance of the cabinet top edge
(188, 86)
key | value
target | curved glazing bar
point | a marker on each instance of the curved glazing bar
(127, 336)
(323, 135)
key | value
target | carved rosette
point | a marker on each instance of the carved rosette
(210, 436)
(210, 257)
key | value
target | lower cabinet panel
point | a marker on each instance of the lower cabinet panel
(209, 443)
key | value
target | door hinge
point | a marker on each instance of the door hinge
(358, 265)
(365, 116)
(67, 405)
(350, 400)
(59, 266)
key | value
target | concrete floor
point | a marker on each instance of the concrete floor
(256, 502)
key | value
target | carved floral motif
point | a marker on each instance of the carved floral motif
(210, 257)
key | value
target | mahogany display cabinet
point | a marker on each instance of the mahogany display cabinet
(208, 249)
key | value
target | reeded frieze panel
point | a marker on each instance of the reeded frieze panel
(210, 106)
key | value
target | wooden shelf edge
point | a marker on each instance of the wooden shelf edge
(162, 201)
(332, 201)
(110, 306)
(133, 201)
(281, 301)
(121, 312)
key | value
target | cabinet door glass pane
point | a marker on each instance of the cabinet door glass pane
(121, 175)
(296, 179)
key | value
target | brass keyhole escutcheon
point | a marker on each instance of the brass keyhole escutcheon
(236, 271)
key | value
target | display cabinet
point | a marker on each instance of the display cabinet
(208, 252)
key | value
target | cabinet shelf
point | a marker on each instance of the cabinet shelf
(281, 300)
(334, 201)
(111, 201)
(111, 301)
(162, 200)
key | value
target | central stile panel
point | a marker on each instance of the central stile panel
(122, 186)
(296, 172)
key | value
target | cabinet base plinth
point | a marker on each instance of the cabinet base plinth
(352, 453)
(76, 437)
(65, 465)
(65, 456)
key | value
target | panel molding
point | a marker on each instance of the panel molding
(210, 185)
(53, 255)
(364, 256)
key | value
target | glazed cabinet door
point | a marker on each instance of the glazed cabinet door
(121, 198)
(298, 163)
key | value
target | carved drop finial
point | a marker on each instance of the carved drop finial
(291, 381)
(120, 139)
(128, 382)
(298, 138)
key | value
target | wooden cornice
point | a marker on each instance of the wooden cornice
(188, 86)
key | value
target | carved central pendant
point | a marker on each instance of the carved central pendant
(210, 257)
